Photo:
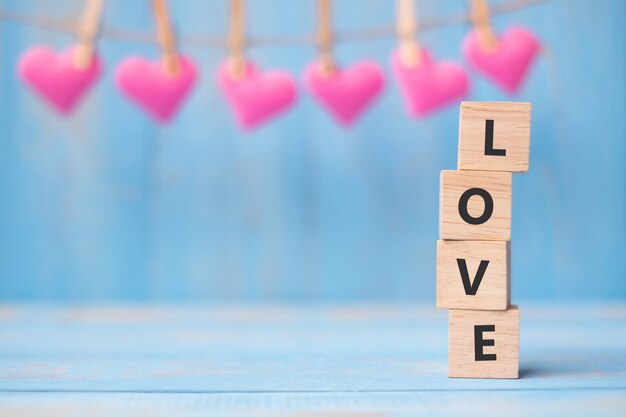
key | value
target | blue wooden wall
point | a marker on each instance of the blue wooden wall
(105, 205)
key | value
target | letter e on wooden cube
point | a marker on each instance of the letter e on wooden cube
(475, 205)
(473, 274)
(483, 344)
(494, 136)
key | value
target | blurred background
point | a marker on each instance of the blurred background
(106, 205)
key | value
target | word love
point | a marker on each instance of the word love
(473, 255)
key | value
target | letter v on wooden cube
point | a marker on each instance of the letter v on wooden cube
(494, 136)
(473, 274)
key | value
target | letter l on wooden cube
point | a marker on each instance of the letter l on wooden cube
(494, 136)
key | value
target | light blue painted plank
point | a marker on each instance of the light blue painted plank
(286, 349)
(354, 404)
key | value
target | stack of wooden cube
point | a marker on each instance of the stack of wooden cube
(473, 253)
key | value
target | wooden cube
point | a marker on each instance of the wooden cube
(483, 344)
(473, 274)
(475, 205)
(494, 136)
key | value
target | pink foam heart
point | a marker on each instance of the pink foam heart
(55, 76)
(428, 86)
(509, 62)
(256, 97)
(345, 93)
(149, 85)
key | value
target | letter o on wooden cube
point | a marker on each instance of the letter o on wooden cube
(473, 274)
(483, 344)
(475, 205)
(494, 136)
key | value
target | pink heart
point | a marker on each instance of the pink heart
(428, 85)
(509, 62)
(150, 86)
(345, 93)
(55, 76)
(256, 97)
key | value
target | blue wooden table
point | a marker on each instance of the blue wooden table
(334, 360)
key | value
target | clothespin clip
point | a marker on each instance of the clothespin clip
(87, 32)
(479, 15)
(165, 36)
(237, 38)
(324, 36)
(406, 29)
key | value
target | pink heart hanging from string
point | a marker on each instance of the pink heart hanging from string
(504, 60)
(254, 96)
(62, 79)
(345, 93)
(425, 84)
(158, 87)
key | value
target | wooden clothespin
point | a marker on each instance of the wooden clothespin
(406, 29)
(165, 36)
(237, 38)
(88, 28)
(479, 15)
(325, 36)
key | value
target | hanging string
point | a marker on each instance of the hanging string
(87, 33)
(479, 15)
(165, 36)
(218, 42)
(324, 36)
(236, 38)
(406, 28)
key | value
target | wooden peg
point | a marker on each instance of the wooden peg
(406, 29)
(165, 36)
(479, 15)
(236, 38)
(87, 32)
(325, 36)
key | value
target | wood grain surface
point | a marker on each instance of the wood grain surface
(510, 134)
(493, 290)
(348, 360)
(500, 342)
(454, 184)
